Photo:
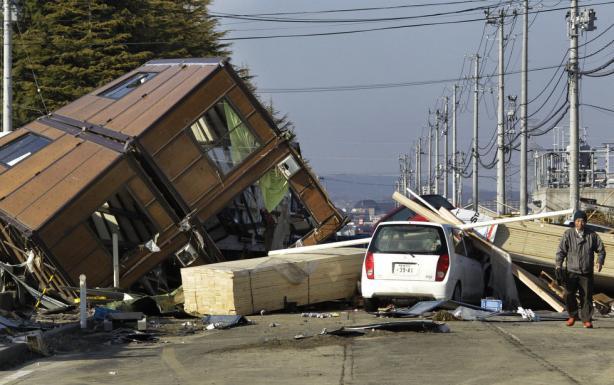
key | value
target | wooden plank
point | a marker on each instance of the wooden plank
(35, 164)
(38, 186)
(537, 287)
(418, 209)
(247, 286)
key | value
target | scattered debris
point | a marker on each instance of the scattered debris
(468, 314)
(603, 303)
(125, 335)
(528, 314)
(319, 315)
(444, 316)
(492, 304)
(225, 321)
(423, 307)
(399, 326)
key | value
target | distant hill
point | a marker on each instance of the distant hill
(353, 187)
(346, 188)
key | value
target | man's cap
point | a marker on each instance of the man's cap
(579, 215)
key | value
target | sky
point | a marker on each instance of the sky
(364, 130)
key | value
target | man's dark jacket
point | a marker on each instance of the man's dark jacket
(580, 251)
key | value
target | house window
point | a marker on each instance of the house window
(21, 148)
(122, 215)
(223, 136)
(122, 89)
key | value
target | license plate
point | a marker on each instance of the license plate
(405, 268)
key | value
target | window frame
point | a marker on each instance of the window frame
(22, 157)
(142, 211)
(244, 121)
(124, 83)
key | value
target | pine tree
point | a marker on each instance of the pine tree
(69, 47)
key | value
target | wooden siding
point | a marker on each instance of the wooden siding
(191, 108)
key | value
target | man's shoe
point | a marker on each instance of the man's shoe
(570, 321)
(588, 324)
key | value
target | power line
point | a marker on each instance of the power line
(383, 28)
(364, 9)
(382, 85)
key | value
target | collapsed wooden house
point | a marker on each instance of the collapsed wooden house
(177, 158)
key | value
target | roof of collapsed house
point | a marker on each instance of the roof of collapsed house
(151, 156)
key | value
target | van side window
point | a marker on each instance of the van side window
(459, 242)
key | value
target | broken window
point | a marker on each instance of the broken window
(223, 136)
(122, 89)
(21, 148)
(122, 215)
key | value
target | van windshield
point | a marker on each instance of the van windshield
(408, 239)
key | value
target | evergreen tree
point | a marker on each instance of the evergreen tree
(69, 47)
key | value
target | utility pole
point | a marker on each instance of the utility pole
(501, 121)
(446, 155)
(523, 111)
(7, 94)
(475, 154)
(403, 173)
(455, 173)
(419, 166)
(574, 130)
(437, 121)
(430, 160)
(584, 20)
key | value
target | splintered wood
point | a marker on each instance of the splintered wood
(269, 283)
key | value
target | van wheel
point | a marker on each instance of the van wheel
(457, 295)
(371, 304)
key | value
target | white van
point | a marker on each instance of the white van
(420, 260)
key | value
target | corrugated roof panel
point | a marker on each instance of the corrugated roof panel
(36, 187)
(129, 101)
(139, 118)
(22, 172)
(68, 188)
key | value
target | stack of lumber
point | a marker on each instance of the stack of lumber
(537, 243)
(269, 283)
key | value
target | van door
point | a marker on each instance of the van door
(471, 270)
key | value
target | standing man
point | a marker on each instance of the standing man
(579, 245)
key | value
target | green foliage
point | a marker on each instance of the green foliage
(69, 47)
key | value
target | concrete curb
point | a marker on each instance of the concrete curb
(17, 353)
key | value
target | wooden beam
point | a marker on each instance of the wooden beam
(418, 209)
(537, 287)
(324, 246)
(515, 219)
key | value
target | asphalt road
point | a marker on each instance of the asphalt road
(472, 353)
